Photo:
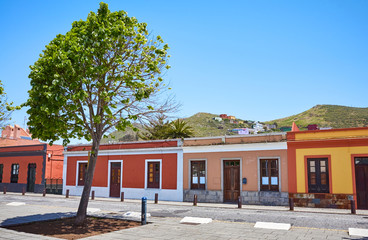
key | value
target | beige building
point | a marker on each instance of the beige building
(220, 169)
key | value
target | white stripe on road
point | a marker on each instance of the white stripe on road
(135, 214)
(196, 220)
(93, 210)
(16, 204)
(361, 232)
(271, 225)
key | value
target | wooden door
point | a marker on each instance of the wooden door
(231, 180)
(115, 180)
(153, 176)
(31, 178)
(318, 179)
(361, 175)
(1, 172)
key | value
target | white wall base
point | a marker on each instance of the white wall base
(77, 191)
(131, 193)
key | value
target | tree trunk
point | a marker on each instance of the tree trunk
(82, 209)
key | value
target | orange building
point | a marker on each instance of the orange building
(329, 168)
(28, 166)
(27, 163)
(220, 169)
(136, 168)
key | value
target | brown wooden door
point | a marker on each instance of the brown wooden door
(318, 179)
(361, 175)
(231, 180)
(153, 177)
(115, 180)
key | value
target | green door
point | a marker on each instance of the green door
(31, 179)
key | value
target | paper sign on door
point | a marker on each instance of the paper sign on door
(202, 180)
(265, 180)
(273, 180)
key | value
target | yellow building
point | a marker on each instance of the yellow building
(328, 168)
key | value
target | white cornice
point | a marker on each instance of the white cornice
(236, 147)
(127, 151)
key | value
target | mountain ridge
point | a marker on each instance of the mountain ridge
(326, 116)
(334, 116)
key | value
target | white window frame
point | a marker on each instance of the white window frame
(259, 173)
(109, 174)
(146, 173)
(77, 173)
(190, 172)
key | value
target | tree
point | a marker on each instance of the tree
(101, 75)
(180, 129)
(161, 129)
(6, 108)
(157, 128)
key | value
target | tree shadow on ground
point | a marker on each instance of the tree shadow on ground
(61, 225)
(36, 218)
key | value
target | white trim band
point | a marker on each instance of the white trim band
(236, 147)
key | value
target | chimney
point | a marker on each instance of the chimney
(16, 131)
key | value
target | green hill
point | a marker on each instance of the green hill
(334, 116)
(204, 125)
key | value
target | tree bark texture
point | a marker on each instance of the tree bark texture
(83, 204)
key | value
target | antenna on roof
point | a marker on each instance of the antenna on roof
(25, 122)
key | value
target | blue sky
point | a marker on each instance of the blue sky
(257, 60)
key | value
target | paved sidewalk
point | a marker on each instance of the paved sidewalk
(160, 227)
(170, 228)
(213, 205)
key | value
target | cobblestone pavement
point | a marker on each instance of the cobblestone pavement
(169, 227)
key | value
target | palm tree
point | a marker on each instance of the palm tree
(157, 128)
(180, 129)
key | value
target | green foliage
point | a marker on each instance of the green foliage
(6, 108)
(327, 116)
(180, 129)
(158, 128)
(99, 76)
(204, 125)
(161, 129)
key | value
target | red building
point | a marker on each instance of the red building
(312, 127)
(136, 168)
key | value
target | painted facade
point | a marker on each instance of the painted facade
(136, 168)
(220, 169)
(27, 166)
(328, 168)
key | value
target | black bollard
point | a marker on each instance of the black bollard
(122, 197)
(93, 195)
(144, 211)
(353, 210)
(195, 200)
(239, 202)
(4, 190)
(44, 192)
(156, 198)
(23, 191)
(67, 193)
(291, 204)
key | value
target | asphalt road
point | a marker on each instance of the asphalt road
(297, 219)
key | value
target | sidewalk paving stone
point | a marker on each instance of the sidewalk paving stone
(163, 227)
